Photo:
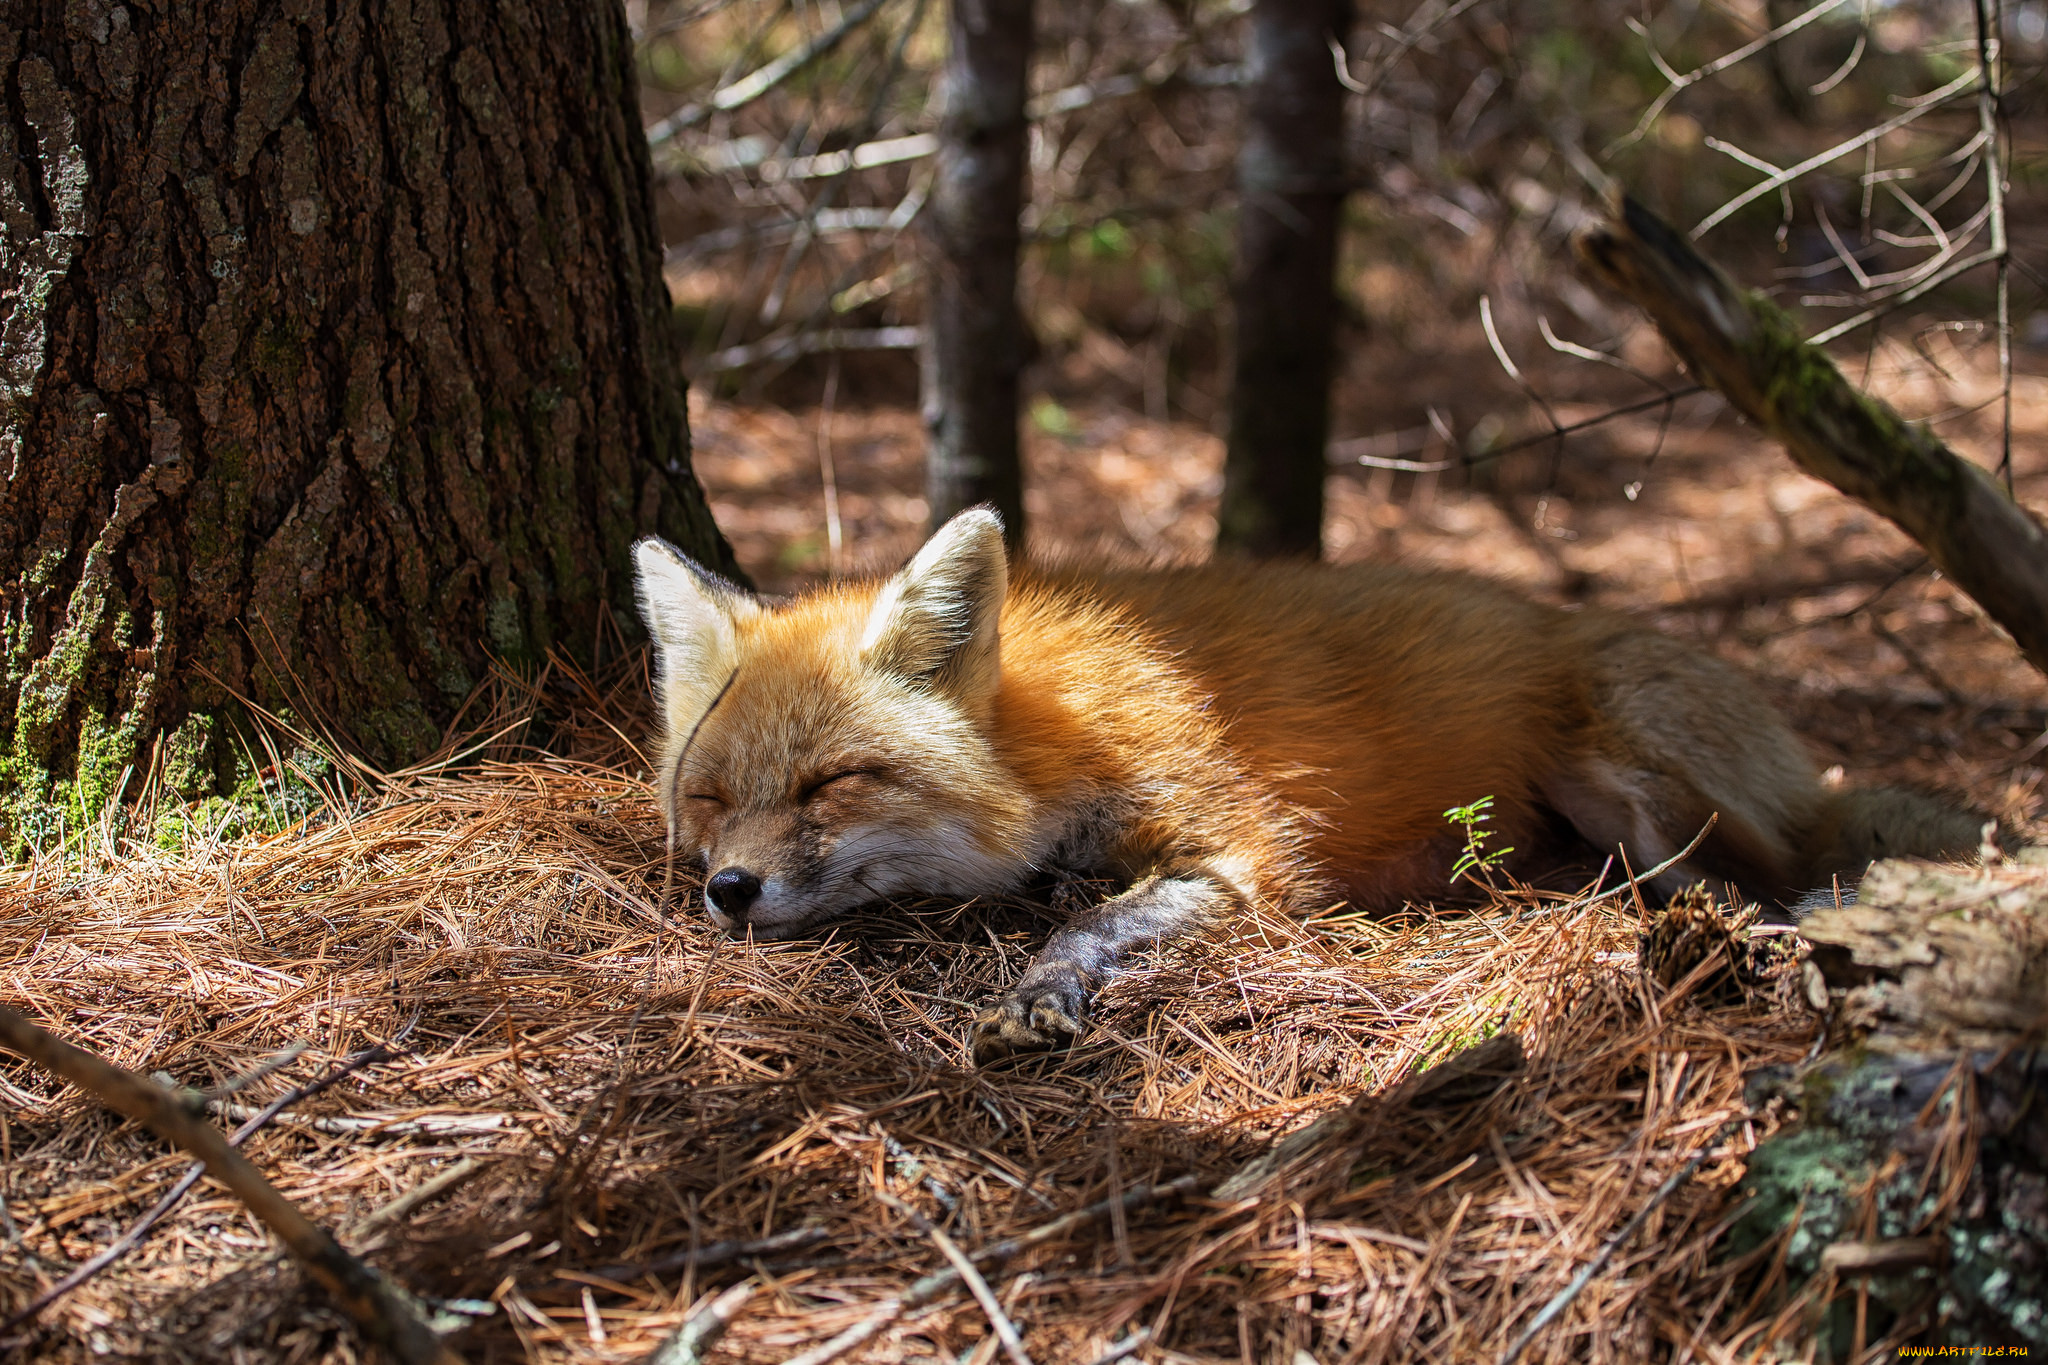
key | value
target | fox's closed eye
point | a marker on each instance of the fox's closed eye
(814, 788)
(709, 797)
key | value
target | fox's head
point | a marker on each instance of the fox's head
(833, 750)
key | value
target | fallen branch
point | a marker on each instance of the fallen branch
(702, 1329)
(1747, 348)
(132, 1238)
(1005, 1330)
(386, 1314)
(1563, 1298)
(717, 1254)
(757, 83)
(931, 1286)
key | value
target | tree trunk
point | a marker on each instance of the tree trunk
(976, 345)
(1291, 182)
(335, 359)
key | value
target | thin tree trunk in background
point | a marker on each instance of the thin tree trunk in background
(976, 343)
(335, 359)
(1291, 183)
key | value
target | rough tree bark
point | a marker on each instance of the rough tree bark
(1291, 183)
(334, 358)
(976, 344)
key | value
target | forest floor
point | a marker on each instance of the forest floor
(606, 1093)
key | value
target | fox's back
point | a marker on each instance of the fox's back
(1369, 697)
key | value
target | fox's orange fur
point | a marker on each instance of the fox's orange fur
(1211, 736)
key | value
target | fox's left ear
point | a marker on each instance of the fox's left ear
(690, 612)
(939, 621)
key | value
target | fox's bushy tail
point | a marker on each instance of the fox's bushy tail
(1858, 825)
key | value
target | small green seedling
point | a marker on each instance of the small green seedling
(1477, 862)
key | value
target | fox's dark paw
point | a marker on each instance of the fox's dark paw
(1029, 1019)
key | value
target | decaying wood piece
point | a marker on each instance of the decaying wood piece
(1933, 959)
(1917, 1172)
(385, 1313)
(1745, 346)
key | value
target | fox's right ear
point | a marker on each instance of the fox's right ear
(939, 621)
(690, 612)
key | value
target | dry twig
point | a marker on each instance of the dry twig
(702, 1329)
(1563, 1298)
(130, 1239)
(386, 1314)
(933, 1285)
(1005, 1330)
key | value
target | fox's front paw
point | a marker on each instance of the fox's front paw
(1032, 1018)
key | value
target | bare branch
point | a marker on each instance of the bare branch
(765, 78)
(1681, 83)
(1432, 16)
(1920, 108)
(132, 1238)
(1841, 73)
(1893, 302)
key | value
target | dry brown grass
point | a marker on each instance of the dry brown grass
(630, 1089)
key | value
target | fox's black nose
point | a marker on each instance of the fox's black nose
(733, 889)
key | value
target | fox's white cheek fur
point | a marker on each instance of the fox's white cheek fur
(967, 868)
(874, 862)
(883, 860)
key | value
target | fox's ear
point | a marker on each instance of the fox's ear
(939, 620)
(690, 612)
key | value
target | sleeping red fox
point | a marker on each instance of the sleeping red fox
(1210, 736)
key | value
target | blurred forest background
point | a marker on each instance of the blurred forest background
(794, 143)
